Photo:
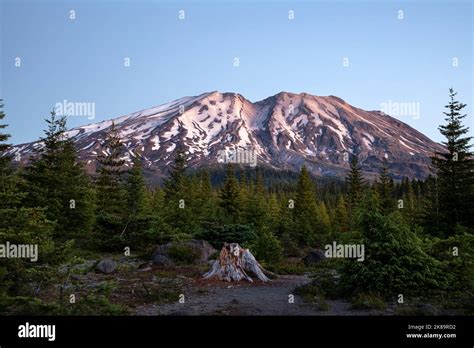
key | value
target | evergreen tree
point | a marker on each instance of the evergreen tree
(55, 179)
(267, 247)
(256, 210)
(305, 210)
(356, 185)
(180, 200)
(176, 184)
(136, 195)
(454, 169)
(111, 194)
(137, 205)
(385, 190)
(341, 215)
(159, 232)
(20, 225)
(7, 180)
(395, 261)
(323, 220)
(230, 196)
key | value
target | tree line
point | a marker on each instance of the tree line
(412, 225)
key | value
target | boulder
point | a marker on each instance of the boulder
(201, 248)
(314, 257)
(106, 266)
(428, 309)
(161, 260)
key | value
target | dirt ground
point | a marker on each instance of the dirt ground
(203, 297)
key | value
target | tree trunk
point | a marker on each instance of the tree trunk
(235, 264)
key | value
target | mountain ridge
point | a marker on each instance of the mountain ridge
(285, 130)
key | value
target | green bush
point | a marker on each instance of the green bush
(217, 234)
(457, 263)
(395, 259)
(286, 267)
(313, 294)
(19, 305)
(182, 254)
(267, 248)
(368, 301)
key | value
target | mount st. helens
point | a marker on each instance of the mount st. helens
(285, 130)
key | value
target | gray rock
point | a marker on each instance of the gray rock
(314, 257)
(161, 260)
(201, 248)
(106, 266)
(428, 309)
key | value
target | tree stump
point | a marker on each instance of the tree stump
(234, 264)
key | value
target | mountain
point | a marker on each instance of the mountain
(284, 130)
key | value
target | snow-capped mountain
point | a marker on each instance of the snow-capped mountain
(284, 131)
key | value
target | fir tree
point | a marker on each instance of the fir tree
(230, 196)
(341, 215)
(55, 179)
(139, 215)
(110, 190)
(305, 210)
(20, 225)
(180, 200)
(256, 210)
(395, 261)
(356, 185)
(454, 169)
(385, 190)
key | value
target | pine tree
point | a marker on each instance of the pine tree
(139, 215)
(323, 221)
(410, 211)
(7, 181)
(230, 196)
(356, 185)
(110, 191)
(267, 247)
(136, 195)
(385, 190)
(204, 200)
(20, 225)
(56, 179)
(305, 210)
(395, 261)
(180, 200)
(159, 231)
(256, 210)
(341, 215)
(175, 185)
(454, 169)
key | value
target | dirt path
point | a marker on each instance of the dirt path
(272, 298)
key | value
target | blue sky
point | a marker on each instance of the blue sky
(82, 60)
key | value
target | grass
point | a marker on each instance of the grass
(368, 301)
(313, 294)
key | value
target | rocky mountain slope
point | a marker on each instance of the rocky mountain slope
(283, 131)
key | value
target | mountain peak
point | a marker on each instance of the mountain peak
(285, 131)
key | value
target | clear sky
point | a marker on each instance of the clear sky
(407, 60)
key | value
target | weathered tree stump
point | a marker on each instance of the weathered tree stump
(234, 264)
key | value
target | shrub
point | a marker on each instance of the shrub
(217, 234)
(395, 259)
(267, 247)
(182, 254)
(312, 293)
(368, 301)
